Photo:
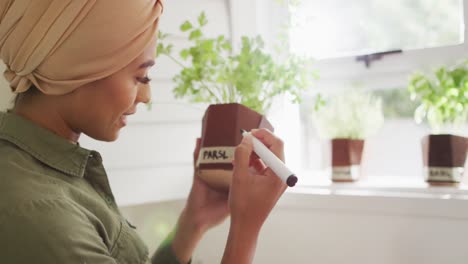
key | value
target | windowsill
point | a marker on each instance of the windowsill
(383, 186)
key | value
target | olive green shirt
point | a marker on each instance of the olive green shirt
(56, 205)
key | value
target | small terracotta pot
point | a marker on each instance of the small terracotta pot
(346, 159)
(220, 136)
(444, 158)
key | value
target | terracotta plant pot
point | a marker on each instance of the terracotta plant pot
(444, 158)
(220, 136)
(346, 159)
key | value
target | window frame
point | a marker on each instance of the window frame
(391, 70)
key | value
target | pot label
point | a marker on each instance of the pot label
(443, 174)
(216, 155)
(345, 173)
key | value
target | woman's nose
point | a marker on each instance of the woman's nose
(144, 94)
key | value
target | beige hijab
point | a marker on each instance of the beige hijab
(59, 45)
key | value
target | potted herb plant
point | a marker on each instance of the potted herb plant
(443, 97)
(239, 86)
(347, 120)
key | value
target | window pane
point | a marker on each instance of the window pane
(336, 28)
(396, 103)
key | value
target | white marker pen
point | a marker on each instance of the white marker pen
(272, 161)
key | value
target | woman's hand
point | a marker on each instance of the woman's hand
(206, 206)
(254, 191)
(205, 209)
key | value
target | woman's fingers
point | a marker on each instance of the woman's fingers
(242, 159)
(196, 151)
(258, 165)
(275, 144)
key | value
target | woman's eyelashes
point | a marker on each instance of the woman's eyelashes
(144, 80)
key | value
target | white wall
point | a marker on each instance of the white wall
(308, 227)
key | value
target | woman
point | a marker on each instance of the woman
(80, 67)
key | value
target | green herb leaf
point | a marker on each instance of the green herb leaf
(202, 19)
(186, 26)
(196, 34)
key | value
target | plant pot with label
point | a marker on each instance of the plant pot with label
(239, 88)
(444, 158)
(348, 119)
(346, 159)
(220, 136)
(443, 97)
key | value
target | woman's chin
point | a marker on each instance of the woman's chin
(110, 136)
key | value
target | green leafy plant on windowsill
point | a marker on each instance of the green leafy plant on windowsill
(349, 115)
(211, 72)
(443, 97)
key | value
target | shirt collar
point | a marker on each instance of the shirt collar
(42, 144)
